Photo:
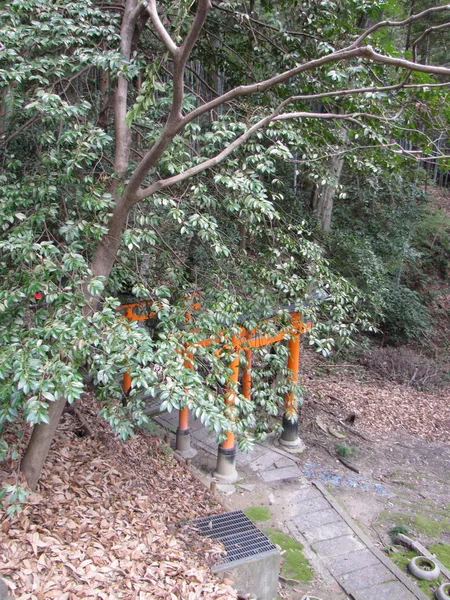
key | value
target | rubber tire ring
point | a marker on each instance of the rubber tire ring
(443, 592)
(420, 573)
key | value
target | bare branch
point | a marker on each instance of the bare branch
(160, 29)
(157, 186)
(425, 34)
(349, 92)
(334, 116)
(181, 57)
(353, 91)
(122, 131)
(261, 86)
(370, 53)
(5, 142)
(194, 32)
(407, 21)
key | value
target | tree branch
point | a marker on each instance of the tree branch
(266, 25)
(122, 131)
(407, 21)
(261, 86)
(370, 53)
(387, 88)
(160, 29)
(181, 56)
(424, 35)
(157, 186)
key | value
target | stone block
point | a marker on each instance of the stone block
(312, 505)
(365, 578)
(392, 590)
(256, 576)
(328, 532)
(285, 462)
(248, 487)
(306, 493)
(4, 591)
(353, 561)
(265, 461)
(337, 546)
(280, 474)
(305, 521)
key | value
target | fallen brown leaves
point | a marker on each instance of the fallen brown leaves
(104, 525)
(381, 407)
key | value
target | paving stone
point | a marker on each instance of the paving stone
(248, 487)
(337, 546)
(285, 462)
(328, 532)
(353, 561)
(226, 488)
(249, 457)
(392, 590)
(265, 461)
(308, 521)
(306, 493)
(365, 578)
(312, 505)
(279, 474)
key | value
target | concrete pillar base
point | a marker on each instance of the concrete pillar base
(183, 444)
(296, 446)
(226, 465)
(289, 438)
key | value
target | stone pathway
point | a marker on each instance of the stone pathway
(341, 553)
(363, 571)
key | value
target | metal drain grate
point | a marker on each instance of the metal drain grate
(237, 533)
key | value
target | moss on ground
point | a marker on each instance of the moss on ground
(402, 558)
(258, 513)
(294, 564)
(442, 553)
(420, 523)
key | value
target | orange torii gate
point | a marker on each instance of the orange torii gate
(245, 341)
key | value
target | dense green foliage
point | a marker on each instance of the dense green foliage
(243, 231)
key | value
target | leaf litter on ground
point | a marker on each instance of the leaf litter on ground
(104, 523)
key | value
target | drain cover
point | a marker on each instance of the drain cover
(237, 533)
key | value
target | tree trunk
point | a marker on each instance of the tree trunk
(39, 444)
(42, 435)
(324, 196)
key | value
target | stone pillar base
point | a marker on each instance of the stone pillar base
(226, 465)
(183, 444)
(289, 438)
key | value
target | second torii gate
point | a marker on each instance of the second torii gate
(246, 341)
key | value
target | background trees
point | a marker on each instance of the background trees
(153, 148)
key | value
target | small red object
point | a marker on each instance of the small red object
(38, 295)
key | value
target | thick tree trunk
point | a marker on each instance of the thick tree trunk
(39, 444)
(42, 436)
(324, 196)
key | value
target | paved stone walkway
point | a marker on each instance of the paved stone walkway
(335, 544)
(363, 571)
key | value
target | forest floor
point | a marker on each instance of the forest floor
(104, 522)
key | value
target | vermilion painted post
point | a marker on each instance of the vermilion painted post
(126, 385)
(289, 436)
(126, 382)
(183, 440)
(226, 456)
(247, 376)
